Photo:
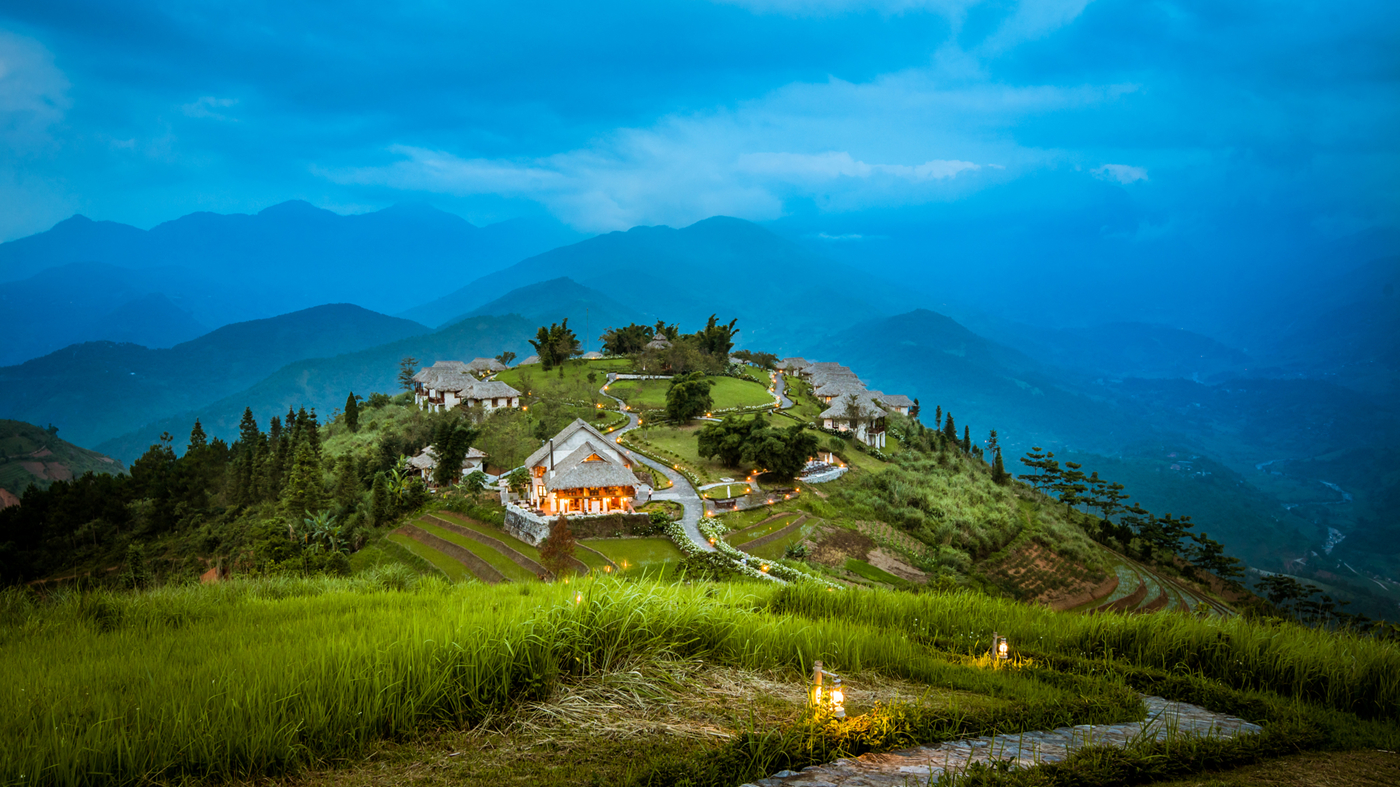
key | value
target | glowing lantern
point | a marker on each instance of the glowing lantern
(578, 598)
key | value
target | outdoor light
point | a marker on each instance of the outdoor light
(763, 568)
(578, 598)
(837, 697)
(999, 647)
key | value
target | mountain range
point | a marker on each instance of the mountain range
(1270, 439)
(87, 280)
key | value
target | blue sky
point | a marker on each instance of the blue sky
(1204, 121)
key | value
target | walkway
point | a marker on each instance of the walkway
(925, 764)
(780, 388)
(681, 491)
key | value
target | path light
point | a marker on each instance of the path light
(578, 598)
(999, 649)
(836, 696)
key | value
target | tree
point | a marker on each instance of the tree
(668, 332)
(1043, 462)
(950, 431)
(914, 411)
(352, 413)
(967, 440)
(716, 339)
(518, 481)
(380, 501)
(555, 344)
(999, 474)
(505, 358)
(557, 551)
(729, 438)
(1209, 555)
(627, 340)
(451, 442)
(475, 482)
(938, 416)
(782, 452)
(408, 367)
(303, 493)
(1070, 485)
(198, 439)
(688, 397)
(761, 360)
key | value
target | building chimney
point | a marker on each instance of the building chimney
(551, 454)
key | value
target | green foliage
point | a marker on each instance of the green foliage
(556, 344)
(717, 339)
(352, 413)
(557, 551)
(688, 397)
(408, 367)
(628, 340)
(454, 436)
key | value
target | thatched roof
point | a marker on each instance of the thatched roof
(793, 364)
(658, 343)
(485, 365)
(839, 410)
(589, 467)
(488, 389)
(894, 400)
(827, 378)
(840, 385)
(531, 359)
(427, 458)
(592, 356)
(541, 455)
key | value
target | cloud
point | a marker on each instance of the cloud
(803, 168)
(1121, 173)
(33, 93)
(205, 106)
(1033, 20)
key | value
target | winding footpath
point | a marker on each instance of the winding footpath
(681, 490)
(780, 389)
(924, 764)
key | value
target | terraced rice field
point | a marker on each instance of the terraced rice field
(1142, 590)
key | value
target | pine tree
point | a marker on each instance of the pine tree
(347, 483)
(352, 413)
(950, 431)
(938, 416)
(379, 499)
(999, 474)
(303, 495)
(408, 367)
(197, 437)
(967, 440)
(1070, 485)
(557, 551)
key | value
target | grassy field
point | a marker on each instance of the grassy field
(635, 554)
(726, 491)
(493, 558)
(863, 569)
(726, 392)
(742, 537)
(252, 679)
(450, 568)
(575, 371)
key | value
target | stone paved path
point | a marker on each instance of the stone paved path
(681, 490)
(780, 388)
(924, 764)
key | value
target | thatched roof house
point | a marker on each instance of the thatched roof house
(580, 471)
(658, 343)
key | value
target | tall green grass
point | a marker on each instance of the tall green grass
(256, 678)
(1339, 670)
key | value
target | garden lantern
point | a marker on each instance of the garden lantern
(836, 696)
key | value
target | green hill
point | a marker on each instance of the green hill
(98, 390)
(34, 456)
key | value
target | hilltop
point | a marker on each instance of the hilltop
(31, 456)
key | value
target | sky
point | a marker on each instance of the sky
(1133, 128)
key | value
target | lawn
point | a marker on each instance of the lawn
(725, 393)
(742, 537)
(725, 492)
(575, 371)
(496, 533)
(863, 569)
(635, 554)
(455, 571)
(495, 559)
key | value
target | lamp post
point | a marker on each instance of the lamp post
(1000, 651)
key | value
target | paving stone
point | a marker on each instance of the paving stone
(1025, 750)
